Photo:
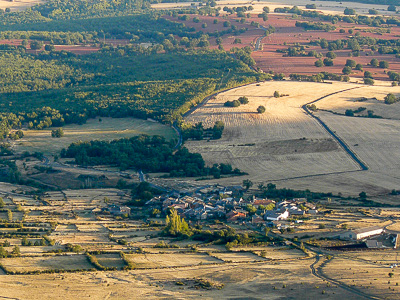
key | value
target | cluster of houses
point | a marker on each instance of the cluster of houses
(218, 202)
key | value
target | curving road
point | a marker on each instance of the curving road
(317, 272)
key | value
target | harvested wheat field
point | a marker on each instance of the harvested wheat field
(260, 280)
(237, 257)
(368, 97)
(143, 261)
(111, 260)
(365, 276)
(289, 147)
(41, 263)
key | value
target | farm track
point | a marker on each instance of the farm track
(317, 272)
(363, 166)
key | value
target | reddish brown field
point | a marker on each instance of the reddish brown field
(287, 34)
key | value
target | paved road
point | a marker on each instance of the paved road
(345, 147)
(317, 272)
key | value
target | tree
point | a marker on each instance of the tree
(373, 12)
(328, 62)
(247, 183)
(234, 103)
(1, 202)
(175, 225)
(243, 100)
(57, 133)
(319, 63)
(359, 67)
(266, 9)
(49, 47)
(331, 55)
(16, 251)
(383, 64)
(391, 8)
(349, 11)
(368, 74)
(374, 62)
(363, 195)
(155, 212)
(276, 94)
(36, 45)
(390, 99)
(251, 209)
(351, 63)
(3, 252)
(346, 70)
(9, 215)
(264, 16)
(349, 112)
(227, 24)
(261, 109)
(369, 81)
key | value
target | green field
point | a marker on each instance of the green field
(107, 129)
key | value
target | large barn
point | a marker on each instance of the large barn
(362, 233)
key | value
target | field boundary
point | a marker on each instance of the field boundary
(353, 155)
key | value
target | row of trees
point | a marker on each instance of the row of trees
(349, 17)
(198, 132)
(236, 103)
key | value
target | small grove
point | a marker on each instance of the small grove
(150, 154)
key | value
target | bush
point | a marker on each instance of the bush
(276, 94)
(57, 133)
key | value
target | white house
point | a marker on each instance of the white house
(276, 215)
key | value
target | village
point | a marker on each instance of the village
(227, 204)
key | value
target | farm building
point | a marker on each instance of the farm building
(362, 233)
(235, 215)
(276, 215)
(119, 210)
